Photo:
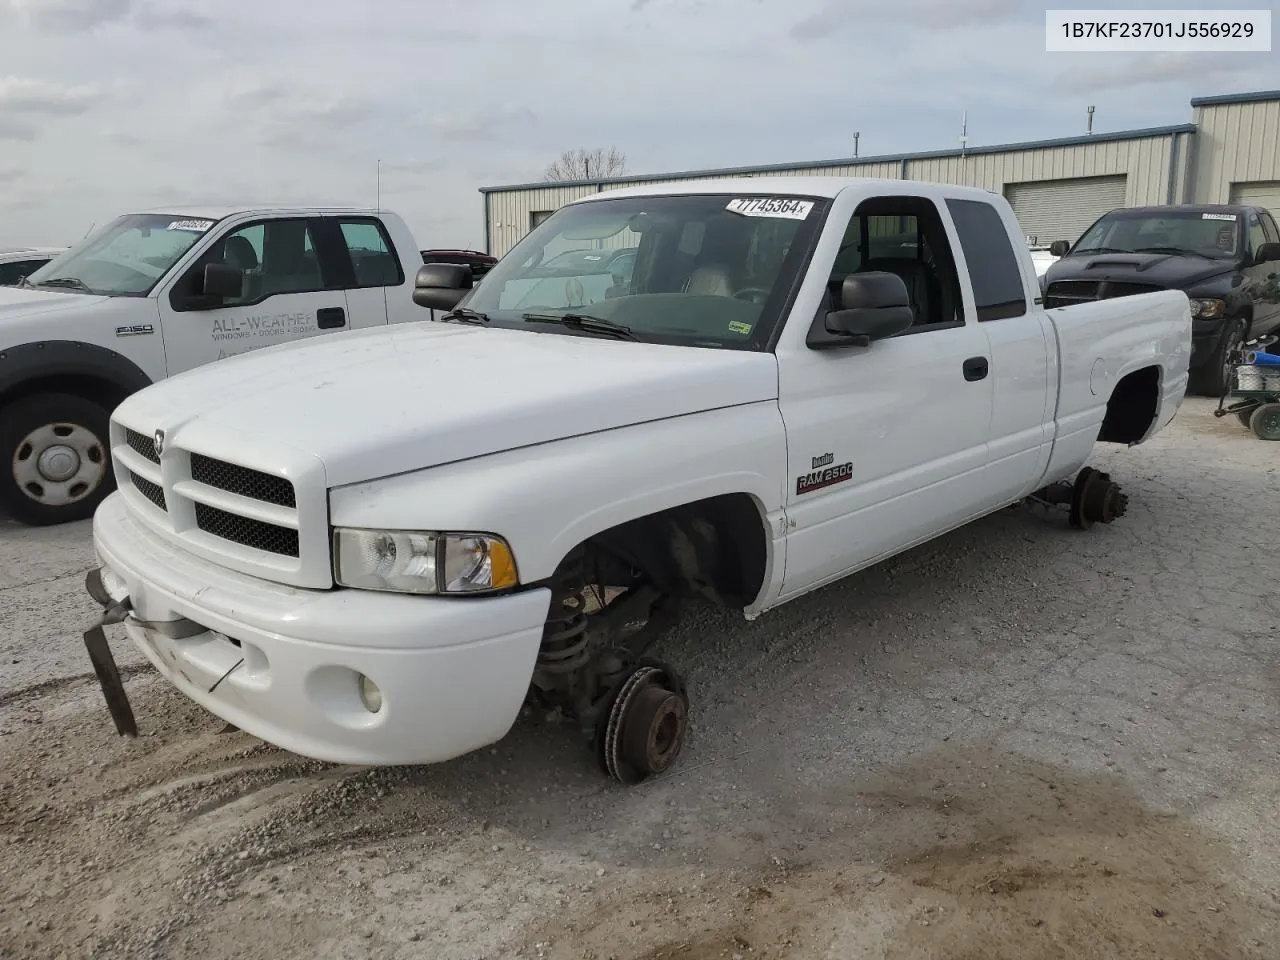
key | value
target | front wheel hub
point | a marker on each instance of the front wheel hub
(1096, 498)
(59, 464)
(644, 728)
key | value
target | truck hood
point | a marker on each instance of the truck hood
(388, 400)
(1163, 270)
(21, 303)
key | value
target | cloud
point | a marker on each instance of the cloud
(26, 95)
(1139, 70)
(478, 125)
(114, 105)
(85, 16)
(833, 19)
(290, 123)
(17, 129)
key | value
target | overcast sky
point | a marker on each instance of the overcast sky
(112, 105)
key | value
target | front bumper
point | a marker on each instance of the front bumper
(282, 663)
(1205, 335)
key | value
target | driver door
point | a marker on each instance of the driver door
(290, 291)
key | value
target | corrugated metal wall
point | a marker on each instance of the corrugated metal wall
(1063, 209)
(1145, 162)
(1237, 143)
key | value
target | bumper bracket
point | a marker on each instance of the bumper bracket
(104, 664)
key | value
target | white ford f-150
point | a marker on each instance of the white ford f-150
(377, 548)
(153, 294)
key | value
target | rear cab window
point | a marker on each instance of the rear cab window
(373, 256)
(998, 290)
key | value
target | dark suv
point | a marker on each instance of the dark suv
(1225, 257)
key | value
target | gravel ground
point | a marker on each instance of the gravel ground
(1019, 741)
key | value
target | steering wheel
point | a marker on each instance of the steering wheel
(753, 294)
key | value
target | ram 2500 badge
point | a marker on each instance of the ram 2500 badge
(377, 547)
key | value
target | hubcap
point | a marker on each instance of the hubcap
(59, 464)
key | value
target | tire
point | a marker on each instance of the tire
(1214, 378)
(75, 475)
(1245, 416)
(1265, 422)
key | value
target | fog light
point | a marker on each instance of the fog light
(370, 695)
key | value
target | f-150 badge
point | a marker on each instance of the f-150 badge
(823, 472)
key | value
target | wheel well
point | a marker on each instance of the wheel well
(1132, 408)
(97, 389)
(715, 547)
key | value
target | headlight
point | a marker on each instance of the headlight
(405, 561)
(1208, 309)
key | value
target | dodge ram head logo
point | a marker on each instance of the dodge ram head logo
(158, 443)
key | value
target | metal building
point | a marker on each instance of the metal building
(1229, 152)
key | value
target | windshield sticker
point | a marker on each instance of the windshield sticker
(737, 326)
(1218, 216)
(195, 226)
(782, 207)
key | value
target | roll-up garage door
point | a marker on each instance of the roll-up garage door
(1063, 209)
(1260, 193)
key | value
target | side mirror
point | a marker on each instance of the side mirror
(439, 286)
(222, 280)
(1059, 248)
(873, 306)
(1268, 252)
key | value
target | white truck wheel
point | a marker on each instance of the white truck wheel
(56, 459)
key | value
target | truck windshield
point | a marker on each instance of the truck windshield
(1187, 232)
(125, 258)
(699, 270)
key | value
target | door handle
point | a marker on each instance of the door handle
(975, 368)
(329, 318)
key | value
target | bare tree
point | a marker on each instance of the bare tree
(584, 164)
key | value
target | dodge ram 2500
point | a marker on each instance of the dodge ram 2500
(377, 547)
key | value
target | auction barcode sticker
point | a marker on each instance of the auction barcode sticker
(785, 207)
(1152, 31)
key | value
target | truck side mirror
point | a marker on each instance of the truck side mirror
(873, 306)
(222, 280)
(439, 286)
(1059, 248)
(1268, 252)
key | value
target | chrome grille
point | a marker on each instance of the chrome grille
(142, 445)
(1064, 293)
(242, 481)
(246, 531)
(152, 491)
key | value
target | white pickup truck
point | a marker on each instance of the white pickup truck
(152, 294)
(375, 549)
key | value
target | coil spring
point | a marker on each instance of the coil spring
(564, 638)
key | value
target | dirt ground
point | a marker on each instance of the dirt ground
(1017, 742)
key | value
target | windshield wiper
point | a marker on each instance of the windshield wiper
(1175, 251)
(1100, 250)
(584, 322)
(467, 315)
(74, 283)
